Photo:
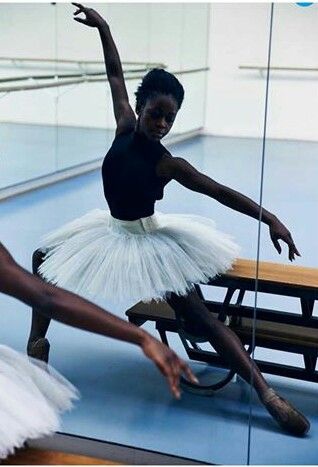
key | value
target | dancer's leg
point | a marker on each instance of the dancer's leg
(38, 347)
(197, 319)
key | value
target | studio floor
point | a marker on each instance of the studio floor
(123, 397)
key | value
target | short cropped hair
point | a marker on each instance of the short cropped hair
(158, 81)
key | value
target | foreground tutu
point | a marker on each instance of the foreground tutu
(140, 260)
(31, 399)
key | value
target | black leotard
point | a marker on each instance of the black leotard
(131, 185)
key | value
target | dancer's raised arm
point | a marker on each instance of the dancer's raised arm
(70, 309)
(124, 114)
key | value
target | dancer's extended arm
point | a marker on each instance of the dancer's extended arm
(124, 115)
(70, 309)
(180, 170)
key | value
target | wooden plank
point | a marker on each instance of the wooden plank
(274, 272)
(284, 333)
(153, 310)
(32, 456)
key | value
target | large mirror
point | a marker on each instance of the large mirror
(286, 325)
(57, 125)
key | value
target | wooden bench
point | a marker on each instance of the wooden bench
(295, 331)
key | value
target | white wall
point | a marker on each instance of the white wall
(175, 34)
(239, 35)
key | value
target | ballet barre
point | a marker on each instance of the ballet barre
(295, 331)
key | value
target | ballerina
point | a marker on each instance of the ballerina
(33, 395)
(136, 254)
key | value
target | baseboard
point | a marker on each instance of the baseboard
(126, 455)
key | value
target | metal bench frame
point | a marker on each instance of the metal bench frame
(236, 312)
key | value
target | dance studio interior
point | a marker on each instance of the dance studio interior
(249, 122)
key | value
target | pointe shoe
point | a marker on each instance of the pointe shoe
(39, 349)
(285, 414)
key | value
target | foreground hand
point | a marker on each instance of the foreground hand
(92, 18)
(277, 232)
(170, 365)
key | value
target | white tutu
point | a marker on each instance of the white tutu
(30, 399)
(140, 260)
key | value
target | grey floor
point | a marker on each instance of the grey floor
(124, 399)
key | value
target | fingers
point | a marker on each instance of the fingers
(175, 376)
(188, 373)
(167, 368)
(279, 231)
(276, 243)
(169, 364)
(292, 247)
(292, 252)
(78, 5)
(80, 20)
(176, 368)
(81, 9)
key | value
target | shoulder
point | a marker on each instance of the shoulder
(169, 166)
(122, 139)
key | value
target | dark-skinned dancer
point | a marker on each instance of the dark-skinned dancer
(134, 253)
(32, 397)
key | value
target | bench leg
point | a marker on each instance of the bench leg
(162, 334)
(310, 360)
(307, 307)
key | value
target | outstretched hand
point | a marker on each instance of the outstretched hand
(277, 232)
(92, 18)
(170, 365)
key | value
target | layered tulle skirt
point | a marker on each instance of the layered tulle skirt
(141, 260)
(32, 396)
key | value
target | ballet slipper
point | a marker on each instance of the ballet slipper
(285, 414)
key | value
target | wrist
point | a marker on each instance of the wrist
(143, 338)
(269, 218)
(103, 26)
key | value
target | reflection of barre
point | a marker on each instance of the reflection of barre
(289, 332)
(84, 79)
(277, 68)
(263, 69)
(67, 64)
(65, 75)
(77, 62)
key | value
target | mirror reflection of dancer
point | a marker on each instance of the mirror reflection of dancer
(31, 397)
(133, 253)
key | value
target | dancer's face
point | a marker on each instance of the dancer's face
(157, 116)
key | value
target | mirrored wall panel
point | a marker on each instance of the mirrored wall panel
(234, 150)
(286, 326)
